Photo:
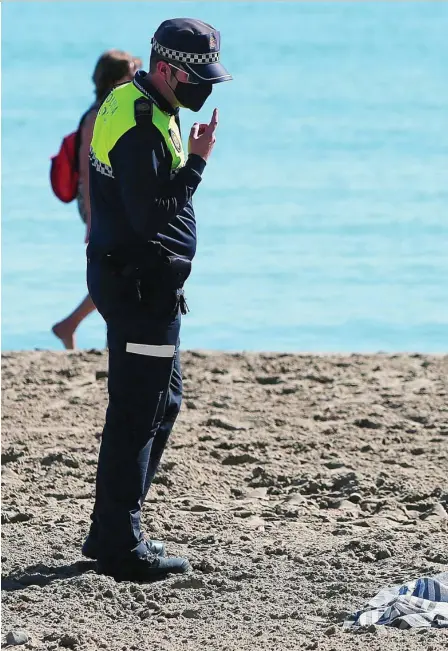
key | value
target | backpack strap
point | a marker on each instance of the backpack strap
(93, 107)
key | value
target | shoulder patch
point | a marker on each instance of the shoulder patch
(175, 140)
(142, 109)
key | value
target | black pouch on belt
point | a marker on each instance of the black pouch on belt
(170, 276)
(175, 271)
(171, 270)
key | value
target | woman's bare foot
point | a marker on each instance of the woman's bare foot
(65, 329)
(65, 333)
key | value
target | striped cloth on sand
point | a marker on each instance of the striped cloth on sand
(421, 602)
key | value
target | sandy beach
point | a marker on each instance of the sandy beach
(297, 485)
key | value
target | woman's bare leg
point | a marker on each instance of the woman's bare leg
(65, 330)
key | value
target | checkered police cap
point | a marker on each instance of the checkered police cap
(184, 57)
(194, 44)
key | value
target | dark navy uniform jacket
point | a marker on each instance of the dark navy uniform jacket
(141, 182)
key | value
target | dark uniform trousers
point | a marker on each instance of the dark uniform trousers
(145, 394)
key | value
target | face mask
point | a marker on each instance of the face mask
(192, 96)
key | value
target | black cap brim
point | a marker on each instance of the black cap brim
(211, 73)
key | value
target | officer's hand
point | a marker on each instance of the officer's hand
(202, 137)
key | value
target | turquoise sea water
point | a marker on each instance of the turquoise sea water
(323, 215)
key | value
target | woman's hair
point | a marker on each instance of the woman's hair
(112, 66)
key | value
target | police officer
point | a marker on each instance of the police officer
(142, 242)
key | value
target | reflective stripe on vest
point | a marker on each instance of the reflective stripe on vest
(116, 116)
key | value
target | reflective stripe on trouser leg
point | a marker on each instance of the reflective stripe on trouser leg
(150, 351)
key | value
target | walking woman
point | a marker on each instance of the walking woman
(114, 67)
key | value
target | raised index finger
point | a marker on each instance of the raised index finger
(214, 121)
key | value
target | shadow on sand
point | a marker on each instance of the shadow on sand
(44, 574)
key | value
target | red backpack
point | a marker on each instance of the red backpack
(64, 170)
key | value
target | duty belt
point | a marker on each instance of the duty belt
(163, 270)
